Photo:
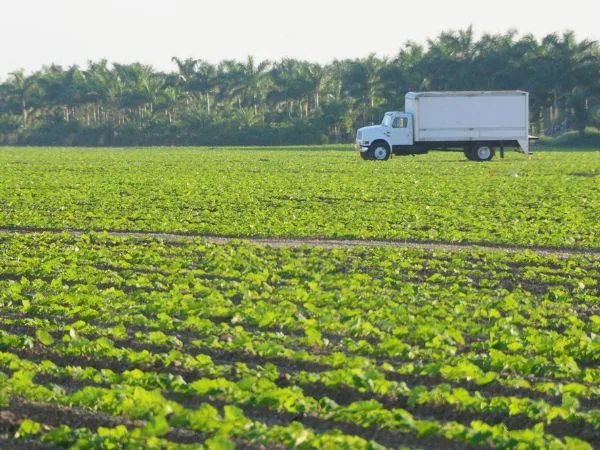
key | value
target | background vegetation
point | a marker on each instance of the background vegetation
(291, 101)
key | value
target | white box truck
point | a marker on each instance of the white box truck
(474, 122)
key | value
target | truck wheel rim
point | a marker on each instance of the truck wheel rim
(380, 153)
(484, 152)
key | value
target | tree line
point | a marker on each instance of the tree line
(291, 101)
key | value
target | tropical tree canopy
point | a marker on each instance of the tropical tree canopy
(291, 101)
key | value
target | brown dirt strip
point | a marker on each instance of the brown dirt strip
(390, 438)
(510, 284)
(345, 395)
(230, 356)
(286, 367)
(56, 415)
(328, 243)
(8, 443)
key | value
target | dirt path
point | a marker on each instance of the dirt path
(329, 243)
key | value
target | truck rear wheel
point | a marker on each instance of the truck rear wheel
(483, 152)
(379, 151)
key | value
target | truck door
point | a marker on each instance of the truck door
(400, 133)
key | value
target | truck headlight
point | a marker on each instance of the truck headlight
(365, 142)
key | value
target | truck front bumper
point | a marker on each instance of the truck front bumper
(361, 147)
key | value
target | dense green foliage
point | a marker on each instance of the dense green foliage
(572, 139)
(290, 101)
(122, 341)
(547, 199)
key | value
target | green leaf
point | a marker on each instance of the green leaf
(157, 426)
(219, 442)
(570, 402)
(204, 419)
(28, 428)
(456, 336)
(577, 444)
(44, 337)
(267, 319)
(61, 436)
(313, 337)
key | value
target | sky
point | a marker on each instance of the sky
(34, 33)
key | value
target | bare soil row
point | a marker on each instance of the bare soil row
(325, 242)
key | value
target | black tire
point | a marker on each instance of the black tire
(379, 151)
(469, 154)
(482, 151)
(365, 155)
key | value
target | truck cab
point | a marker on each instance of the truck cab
(394, 134)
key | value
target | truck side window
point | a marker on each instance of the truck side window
(399, 122)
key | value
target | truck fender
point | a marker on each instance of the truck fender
(383, 140)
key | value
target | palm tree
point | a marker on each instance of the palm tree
(81, 94)
(168, 100)
(361, 80)
(186, 68)
(24, 90)
(492, 65)
(336, 114)
(52, 89)
(254, 83)
(140, 87)
(187, 77)
(318, 77)
(231, 81)
(310, 81)
(338, 70)
(103, 89)
(287, 86)
(204, 80)
(372, 67)
(449, 59)
(568, 73)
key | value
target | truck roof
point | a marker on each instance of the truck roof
(413, 95)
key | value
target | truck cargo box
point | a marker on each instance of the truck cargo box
(473, 115)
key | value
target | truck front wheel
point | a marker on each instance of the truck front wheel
(483, 152)
(379, 151)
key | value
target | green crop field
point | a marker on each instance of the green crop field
(123, 324)
(550, 199)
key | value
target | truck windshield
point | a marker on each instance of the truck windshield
(387, 120)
